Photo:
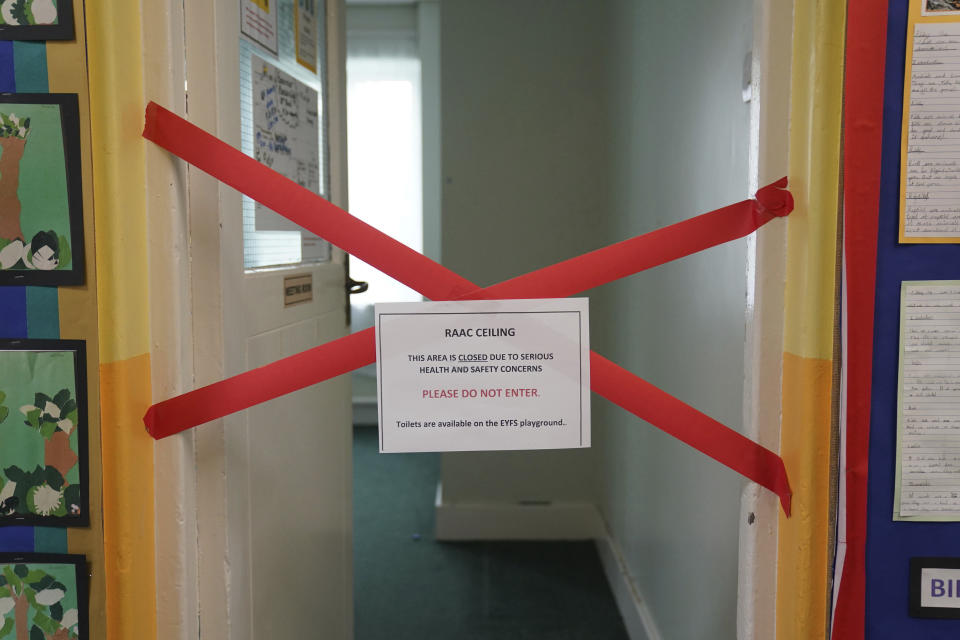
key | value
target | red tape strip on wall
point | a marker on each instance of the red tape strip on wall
(437, 282)
(863, 140)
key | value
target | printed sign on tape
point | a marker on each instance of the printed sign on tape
(483, 375)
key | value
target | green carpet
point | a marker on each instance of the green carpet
(409, 586)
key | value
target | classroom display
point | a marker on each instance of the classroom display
(930, 138)
(286, 123)
(41, 207)
(928, 420)
(43, 433)
(902, 331)
(306, 19)
(43, 597)
(258, 21)
(36, 20)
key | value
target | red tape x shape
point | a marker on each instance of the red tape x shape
(436, 282)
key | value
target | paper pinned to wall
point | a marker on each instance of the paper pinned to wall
(306, 32)
(928, 420)
(930, 152)
(287, 139)
(258, 21)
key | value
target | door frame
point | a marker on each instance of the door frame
(786, 564)
(770, 83)
(189, 327)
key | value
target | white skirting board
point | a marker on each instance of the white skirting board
(633, 609)
(535, 521)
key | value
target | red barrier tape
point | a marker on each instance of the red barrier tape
(866, 46)
(437, 282)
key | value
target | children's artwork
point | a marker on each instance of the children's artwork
(43, 596)
(941, 6)
(43, 433)
(36, 20)
(41, 206)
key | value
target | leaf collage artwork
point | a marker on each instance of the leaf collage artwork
(41, 597)
(27, 12)
(36, 20)
(42, 433)
(40, 200)
(44, 456)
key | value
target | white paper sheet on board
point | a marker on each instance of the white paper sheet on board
(483, 375)
(930, 190)
(928, 420)
(286, 138)
(258, 21)
(306, 32)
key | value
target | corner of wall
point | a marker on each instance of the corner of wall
(637, 617)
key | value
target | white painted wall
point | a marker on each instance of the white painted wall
(524, 170)
(676, 77)
(570, 124)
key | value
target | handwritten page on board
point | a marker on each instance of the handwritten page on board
(928, 420)
(286, 139)
(930, 157)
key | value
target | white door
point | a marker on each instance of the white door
(274, 515)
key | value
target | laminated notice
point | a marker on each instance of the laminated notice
(483, 375)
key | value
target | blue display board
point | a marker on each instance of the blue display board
(890, 544)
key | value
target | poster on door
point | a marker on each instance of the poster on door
(286, 138)
(483, 375)
(43, 433)
(305, 31)
(258, 21)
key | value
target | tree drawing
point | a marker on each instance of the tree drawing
(44, 490)
(55, 419)
(34, 598)
(13, 141)
(4, 411)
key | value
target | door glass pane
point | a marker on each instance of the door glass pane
(264, 245)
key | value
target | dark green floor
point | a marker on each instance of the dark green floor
(409, 586)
